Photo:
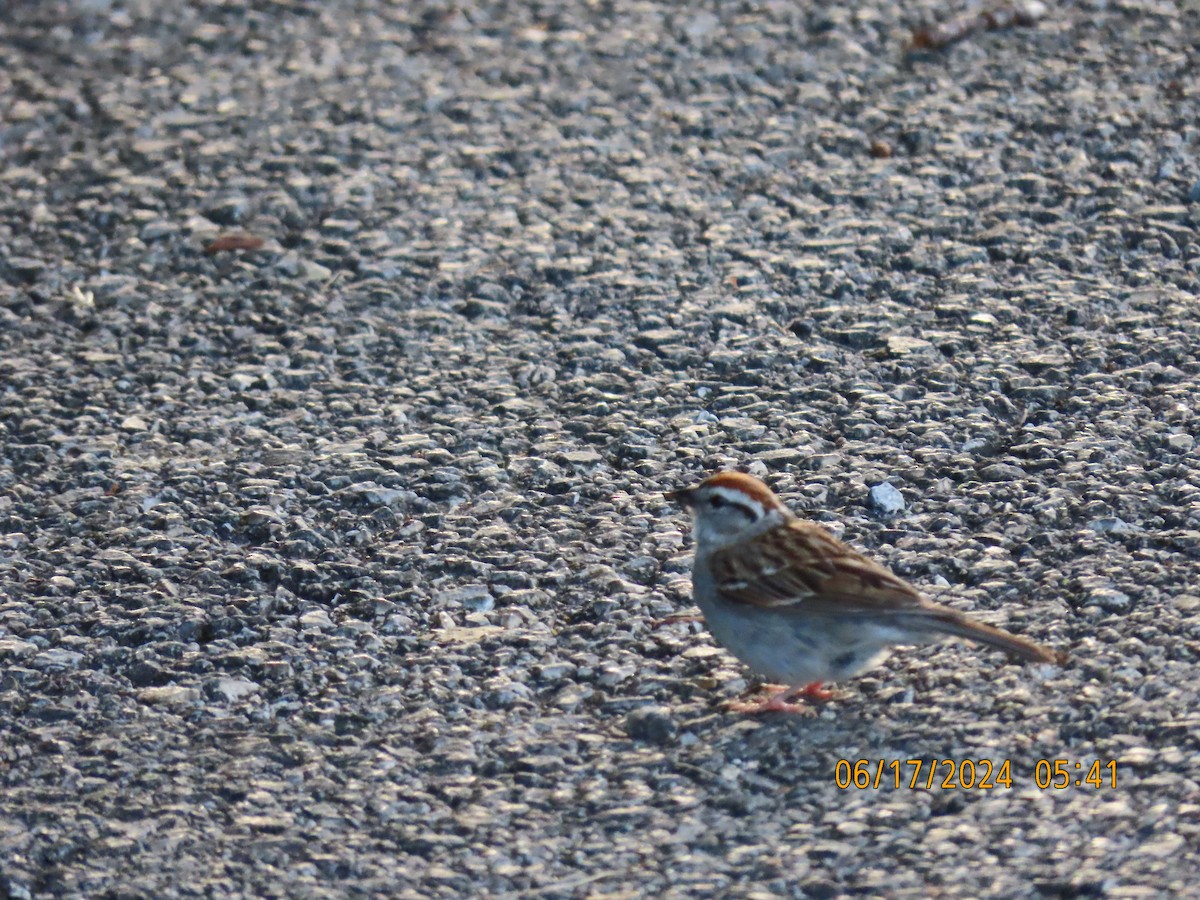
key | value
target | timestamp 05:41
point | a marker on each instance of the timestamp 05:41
(972, 774)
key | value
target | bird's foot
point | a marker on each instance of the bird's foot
(676, 619)
(775, 701)
(814, 691)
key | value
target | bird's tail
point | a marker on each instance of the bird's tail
(947, 621)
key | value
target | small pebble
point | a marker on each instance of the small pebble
(652, 724)
(886, 499)
(475, 597)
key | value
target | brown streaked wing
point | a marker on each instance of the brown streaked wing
(802, 565)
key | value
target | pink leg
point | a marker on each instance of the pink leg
(676, 618)
(775, 701)
(814, 691)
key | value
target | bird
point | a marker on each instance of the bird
(798, 606)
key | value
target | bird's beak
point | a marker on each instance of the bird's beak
(683, 497)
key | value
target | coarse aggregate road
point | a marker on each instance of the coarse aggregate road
(334, 566)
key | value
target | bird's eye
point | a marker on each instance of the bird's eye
(716, 501)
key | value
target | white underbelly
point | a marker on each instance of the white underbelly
(792, 650)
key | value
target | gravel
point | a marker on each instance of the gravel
(886, 499)
(336, 564)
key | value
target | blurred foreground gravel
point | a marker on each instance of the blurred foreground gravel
(331, 568)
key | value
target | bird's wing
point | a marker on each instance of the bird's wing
(803, 567)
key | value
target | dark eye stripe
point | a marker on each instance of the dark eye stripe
(716, 501)
(748, 511)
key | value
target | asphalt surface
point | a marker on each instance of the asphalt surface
(333, 567)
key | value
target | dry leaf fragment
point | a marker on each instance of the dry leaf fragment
(234, 242)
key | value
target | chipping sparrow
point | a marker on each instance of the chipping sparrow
(800, 607)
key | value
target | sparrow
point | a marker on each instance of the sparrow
(800, 607)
